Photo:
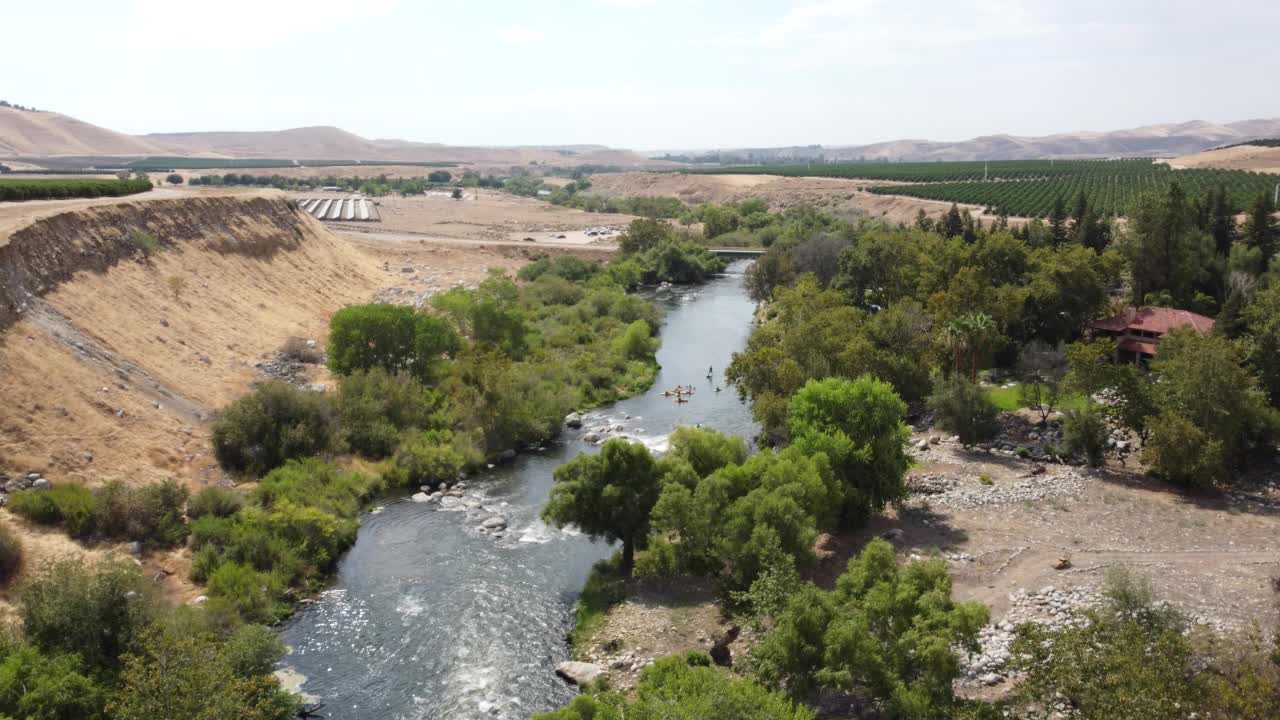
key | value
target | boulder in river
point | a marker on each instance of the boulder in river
(420, 497)
(579, 673)
(591, 437)
(573, 420)
(494, 522)
(450, 501)
(507, 455)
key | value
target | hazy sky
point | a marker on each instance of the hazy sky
(645, 74)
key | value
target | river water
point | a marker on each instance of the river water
(430, 618)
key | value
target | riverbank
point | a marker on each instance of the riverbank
(428, 615)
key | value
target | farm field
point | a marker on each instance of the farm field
(1029, 188)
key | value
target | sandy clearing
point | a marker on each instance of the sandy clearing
(481, 215)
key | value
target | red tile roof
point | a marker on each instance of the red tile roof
(1135, 346)
(1158, 320)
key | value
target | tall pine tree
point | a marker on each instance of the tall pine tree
(1222, 220)
(1260, 229)
(1058, 223)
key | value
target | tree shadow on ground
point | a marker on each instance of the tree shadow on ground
(910, 529)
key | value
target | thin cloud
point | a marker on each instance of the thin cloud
(521, 36)
(243, 24)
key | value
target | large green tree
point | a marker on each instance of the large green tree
(887, 631)
(858, 425)
(608, 495)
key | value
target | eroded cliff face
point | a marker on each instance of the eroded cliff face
(112, 362)
(40, 257)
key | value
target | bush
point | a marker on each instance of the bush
(48, 687)
(637, 343)
(296, 348)
(427, 458)
(151, 514)
(273, 423)
(10, 553)
(313, 482)
(1182, 453)
(70, 503)
(1084, 432)
(145, 242)
(218, 502)
(250, 592)
(962, 407)
(96, 612)
(376, 407)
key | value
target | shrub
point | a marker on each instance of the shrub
(316, 483)
(218, 502)
(48, 687)
(637, 343)
(96, 612)
(296, 348)
(10, 553)
(250, 592)
(70, 503)
(962, 407)
(145, 242)
(177, 285)
(150, 514)
(1182, 453)
(1084, 432)
(273, 423)
(427, 458)
(252, 650)
(376, 407)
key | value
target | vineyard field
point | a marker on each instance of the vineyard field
(1107, 194)
(943, 171)
(1029, 188)
(57, 188)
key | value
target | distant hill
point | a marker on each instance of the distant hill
(1151, 141)
(24, 133)
(28, 132)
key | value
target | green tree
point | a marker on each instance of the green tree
(643, 234)
(1163, 246)
(609, 495)
(718, 220)
(1203, 380)
(377, 406)
(706, 450)
(1129, 660)
(173, 179)
(1058, 222)
(1222, 222)
(858, 425)
(391, 337)
(94, 612)
(951, 225)
(887, 631)
(1260, 228)
(1262, 339)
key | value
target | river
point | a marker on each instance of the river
(430, 618)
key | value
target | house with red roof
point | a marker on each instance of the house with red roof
(1138, 331)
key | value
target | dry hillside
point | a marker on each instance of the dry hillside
(1242, 157)
(106, 374)
(24, 132)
